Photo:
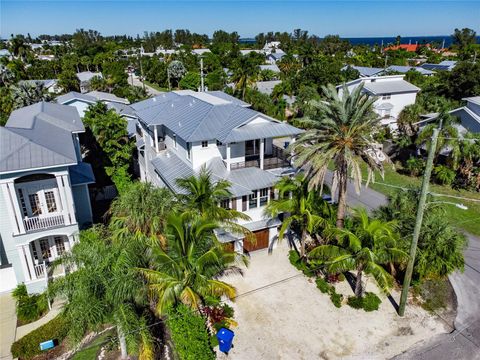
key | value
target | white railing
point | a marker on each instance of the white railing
(40, 270)
(40, 223)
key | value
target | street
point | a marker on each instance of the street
(464, 342)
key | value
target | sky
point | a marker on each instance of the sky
(346, 18)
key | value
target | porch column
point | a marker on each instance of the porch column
(69, 199)
(63, 199)
(26, 261)
(71, 241)
(155, 131)
(262, 152)
(13, 208)
(228, 157)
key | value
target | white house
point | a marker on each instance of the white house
(84, 78)
(375, 71)
(181, 131)
(44, 198)
(393, 93)
(274, 57)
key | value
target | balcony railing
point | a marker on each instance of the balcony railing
(41, 223)
(278, 158)
(40, 271)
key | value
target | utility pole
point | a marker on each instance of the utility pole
(386, 60)
(202, 83)
(418, 222)
(141, 71)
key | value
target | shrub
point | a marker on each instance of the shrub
(336, 299)
(326, 288)
(189, 334)
(369, 302)
(414, 166)
(29, 307)
(444, 175)
(323, 286)
(29, 346)
(299, 264)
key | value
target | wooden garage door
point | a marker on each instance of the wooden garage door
(261, 243)
(230, 247)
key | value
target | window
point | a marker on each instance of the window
(34, 204)
(189, 150)
(50, 200)
(252, 200)
(22, 202)
(225, 204)
(219, 143)
(60, 245)
(204, 144)
(175, 141)
(45, 249)
(386, 96)
(244, 203)
(263, 196)
(34, 250)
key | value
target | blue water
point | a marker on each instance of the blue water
(389, 40)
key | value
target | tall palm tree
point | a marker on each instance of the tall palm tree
(368, 246)
(105, 288)
(244, 74)
(447, 139)
(187, 271)
(28, 93)
(201, 194)
(305, 209)
(342, 134)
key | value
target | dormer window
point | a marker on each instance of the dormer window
(204, 144)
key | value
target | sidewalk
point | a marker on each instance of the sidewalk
(8, 324)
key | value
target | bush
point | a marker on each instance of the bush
(323, 286)
(29, 346)
(336, 299)
(299, 264)
(189, 334)
(369, 302)
(444, 175)
(415, 166)
(326, 288)
(29, 307)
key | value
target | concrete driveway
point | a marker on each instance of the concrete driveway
(282, 315)
(8, 325)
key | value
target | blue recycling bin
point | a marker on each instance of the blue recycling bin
(225, 339)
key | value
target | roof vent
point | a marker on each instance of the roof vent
(154, 99)
(171, 105)
(167, 155)
(179, 124)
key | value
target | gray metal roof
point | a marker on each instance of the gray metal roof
(365, 71)
(46, 83)
(73, 95)
(261, 130)
(81, 174)
(39, 135)
(272, 67)
(232, 99)
(473, 99)
(104, 96)
(266, 87)
(405, 69)
(62, 116)
(277, 55)
(87, 75)
(390, 87)
(170, 168)
(18, 153)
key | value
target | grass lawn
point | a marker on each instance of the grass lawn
(465, 219)
(91, 350)
(155, 86)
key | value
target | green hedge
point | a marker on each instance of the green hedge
(189, 334)
(369, 302)
(29, 346)
(29, 308)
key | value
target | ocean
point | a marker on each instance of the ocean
(388, 40)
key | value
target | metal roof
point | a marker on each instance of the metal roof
(87, 75)
(473, 99)
(405, 69)
(364, 71)
(73, 95)
(390, 87)
(261, 130)
(170, 168)
(104, 96)
(232, 99)
(46, 83)
(272, 67)
(81, 174)
(266, 87)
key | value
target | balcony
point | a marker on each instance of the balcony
(278, 159)
(42, 223)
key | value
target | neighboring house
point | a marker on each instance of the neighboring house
(200, 51)
(468, 115)
(45, 57)
(364, 71)
(266, 87)
(82, 101)
(50, 85)
(406, 47)
(44, 197)
(5, 53)
(405, 69)
(180, 132)
(445, 65)
(373, 71)
(393, 94)
(84, 78)
(273, 57)
(271, 67)
(248, 51)
(271, 47)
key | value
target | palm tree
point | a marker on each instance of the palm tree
(187, 271)
(105, 288)
(244, 74)
(142, 211)
(369, 245)
(305, 209)
(201, 195)
(28, 93)
(447, 139)
(342, 134)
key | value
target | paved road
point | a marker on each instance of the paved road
(136, 82)
(464, 342)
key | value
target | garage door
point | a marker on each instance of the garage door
(261, 243)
